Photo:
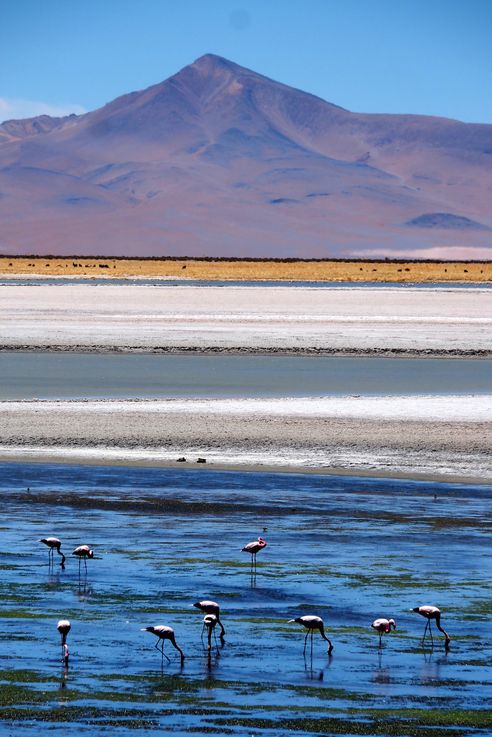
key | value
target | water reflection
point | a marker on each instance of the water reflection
(382, 674)
(84, 589)
(64, 678)
(430, 673)
(54, 580)
(312, 673)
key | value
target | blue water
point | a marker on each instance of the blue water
(346, 549)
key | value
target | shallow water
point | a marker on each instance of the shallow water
(348, 549)
(165, 282)
(29, 375)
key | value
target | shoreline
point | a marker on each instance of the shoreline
(457, 353)
(52, 458)
(446, 437)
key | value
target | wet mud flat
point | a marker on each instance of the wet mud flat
(346, 549)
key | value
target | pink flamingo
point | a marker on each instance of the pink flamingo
(164, 633)
(383, 626)
(210, 622)
(64, 628)
(432, 613)
(53, 544)
(313, 623)
(211, 607)
(254, 548)
(83, 552)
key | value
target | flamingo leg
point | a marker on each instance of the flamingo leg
(160, 646)
(380, 640)
(430, 633)
(305, 641)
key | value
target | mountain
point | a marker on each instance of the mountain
(218, 160)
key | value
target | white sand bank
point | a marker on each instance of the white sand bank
(246, 318)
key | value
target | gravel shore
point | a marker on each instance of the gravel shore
(415, 437)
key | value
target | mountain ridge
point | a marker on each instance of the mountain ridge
(218, 160)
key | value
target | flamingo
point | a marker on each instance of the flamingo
(53, 544)
(164, 633)
(83, 552)
(211, 607)
(210, 622)
(383, 626)
(312, 623)
(253, 548)
(64, 628)
(430, 613)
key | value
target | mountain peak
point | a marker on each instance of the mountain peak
(220, 160)
(211, 61)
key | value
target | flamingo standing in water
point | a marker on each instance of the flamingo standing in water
(64, 628)
(83, 552)
(211, 607)
(313, 623)
(253, 548)
(164, 633)
(383, 626)
(432, 613)
(53, 544)
(210, 622)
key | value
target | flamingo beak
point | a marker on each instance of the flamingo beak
(290, 621)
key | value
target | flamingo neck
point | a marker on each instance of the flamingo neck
(441, 629)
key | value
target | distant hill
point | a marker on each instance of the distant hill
(220, 161)
(446, 220)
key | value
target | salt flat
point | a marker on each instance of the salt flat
(246, 318)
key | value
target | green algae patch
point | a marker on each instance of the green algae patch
(469, 718)
(478, 609)
(129, 718)
(339, 726)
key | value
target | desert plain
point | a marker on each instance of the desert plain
(250, 269)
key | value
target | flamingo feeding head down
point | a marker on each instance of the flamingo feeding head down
(253, 548)
(53, 543)
(82, 552)
(432, 613)
(211, 607)
(313, 623)
(163, 633)
(209, 623)
(383, 626)
(64, 628)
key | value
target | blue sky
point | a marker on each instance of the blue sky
(431, 57)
